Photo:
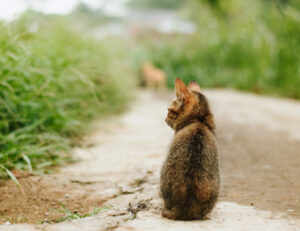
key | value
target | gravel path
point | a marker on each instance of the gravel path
(260, 155)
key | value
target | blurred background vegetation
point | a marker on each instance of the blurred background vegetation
(249, 45)
(53, 81)
(60, 72)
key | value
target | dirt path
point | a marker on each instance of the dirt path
(260, 155)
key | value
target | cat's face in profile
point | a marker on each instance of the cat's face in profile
(187, 104)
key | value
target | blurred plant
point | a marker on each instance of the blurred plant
(155, 4)
(53, 82)
(87, 18)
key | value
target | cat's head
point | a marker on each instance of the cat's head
(190, 104)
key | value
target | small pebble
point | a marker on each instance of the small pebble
(67, 195)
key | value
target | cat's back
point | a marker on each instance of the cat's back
(193, 147)
(195, 136)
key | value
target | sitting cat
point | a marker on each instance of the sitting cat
(190, 179)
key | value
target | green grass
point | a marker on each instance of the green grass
(53, 82)
(68, 215)
(248, 45)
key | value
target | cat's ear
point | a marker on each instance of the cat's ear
(194, 86)
(180, 88)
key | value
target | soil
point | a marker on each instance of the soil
(44, 199)
(259, 139)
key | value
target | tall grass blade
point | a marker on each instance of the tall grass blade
(13, 178)
(28, 162)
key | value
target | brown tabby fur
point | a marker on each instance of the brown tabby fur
(153, 77)
(190, 179)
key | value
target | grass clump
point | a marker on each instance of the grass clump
(53, 82)
(68, 215)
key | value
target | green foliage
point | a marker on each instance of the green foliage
(53, 82)
(86, 18)
(251, 45)
(156, 4)
(68, 215)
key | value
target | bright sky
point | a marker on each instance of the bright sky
(11, 8)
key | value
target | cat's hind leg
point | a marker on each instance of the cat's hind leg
(170, 213)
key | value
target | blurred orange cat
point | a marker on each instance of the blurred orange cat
(152, 76)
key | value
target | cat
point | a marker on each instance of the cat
(190, 179)
(152, 76)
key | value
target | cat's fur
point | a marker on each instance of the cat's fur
(190, 179)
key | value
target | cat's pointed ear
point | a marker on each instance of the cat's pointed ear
(180, 88)
(194, 86)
